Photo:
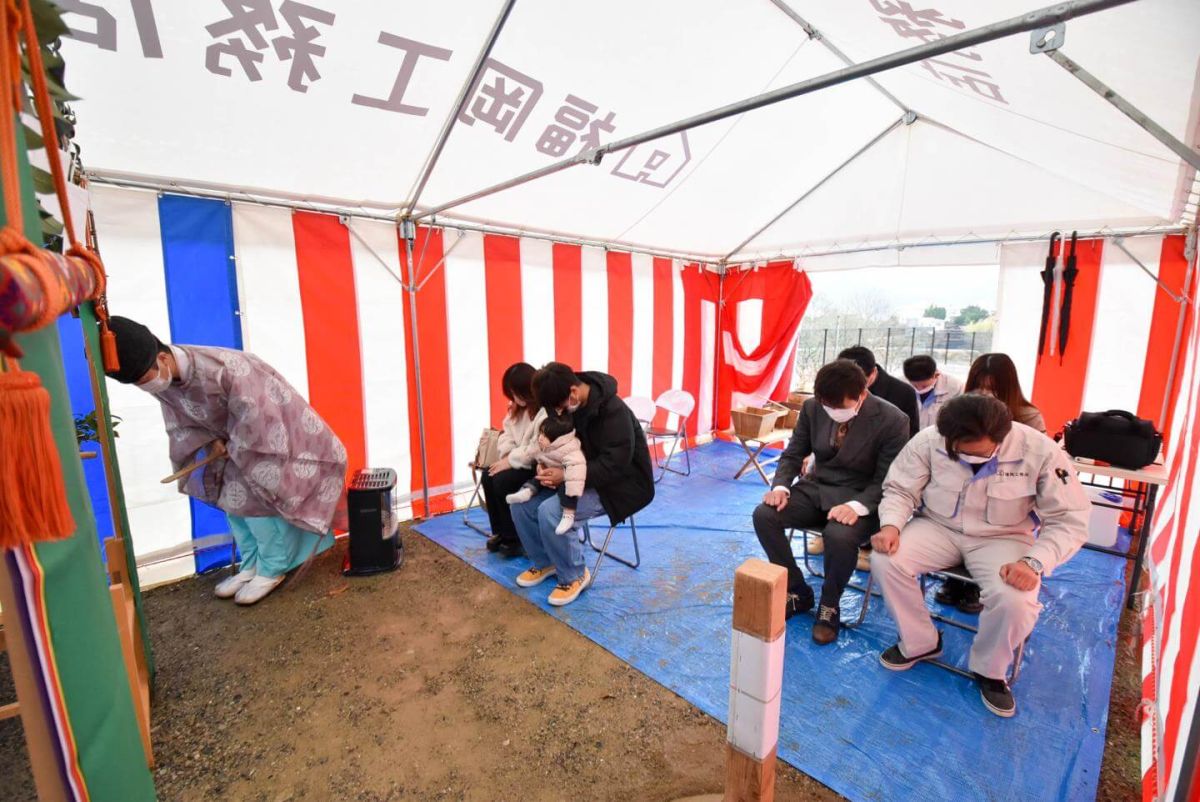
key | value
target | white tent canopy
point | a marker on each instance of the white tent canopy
(1005, 142)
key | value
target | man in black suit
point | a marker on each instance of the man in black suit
(899, 394)
(853, 438)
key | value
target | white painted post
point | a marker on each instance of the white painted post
(755, 681)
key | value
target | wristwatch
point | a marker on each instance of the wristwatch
(1034, 563)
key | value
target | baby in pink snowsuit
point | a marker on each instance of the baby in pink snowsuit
(557, 447)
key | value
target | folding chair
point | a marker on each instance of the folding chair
(679, 403)
(866, 590)
(476, 500)
(959, 572)
(585, 536)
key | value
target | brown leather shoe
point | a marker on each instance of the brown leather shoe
(825, 628)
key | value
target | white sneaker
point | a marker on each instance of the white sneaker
(564, 526)
(228, 587)
(257, 589)
(520, 497)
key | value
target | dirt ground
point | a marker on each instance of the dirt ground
(433, 683)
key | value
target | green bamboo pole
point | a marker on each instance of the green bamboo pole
(83, 629)
(91, 338)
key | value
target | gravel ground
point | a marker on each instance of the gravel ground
(433, 683)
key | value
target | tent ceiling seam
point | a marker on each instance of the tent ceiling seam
(728, 131)
(951, 130)
(1140, 118)
(828, 176)
(463, 96)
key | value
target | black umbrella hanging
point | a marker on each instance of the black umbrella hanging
(1048, 290)
(1064, 315)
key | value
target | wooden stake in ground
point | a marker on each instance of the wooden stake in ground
(755, 681)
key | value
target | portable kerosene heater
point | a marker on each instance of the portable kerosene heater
(375, 544)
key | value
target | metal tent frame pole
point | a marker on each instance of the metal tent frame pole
(1034, 20)
(813, 33)
(257, 198)
(1188, 154)
(1190, 250)
(463, 96)
(1102, 233)
(908, 119)
(408, 230)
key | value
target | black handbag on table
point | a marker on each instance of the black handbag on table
(1117, 437)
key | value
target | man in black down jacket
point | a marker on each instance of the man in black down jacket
(899, 394)
(619, 477)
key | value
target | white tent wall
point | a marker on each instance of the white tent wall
(476, 315)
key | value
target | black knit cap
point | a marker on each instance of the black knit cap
(137, 349)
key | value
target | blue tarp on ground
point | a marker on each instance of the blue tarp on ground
(866, 732)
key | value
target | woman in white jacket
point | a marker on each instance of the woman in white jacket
(515, 465)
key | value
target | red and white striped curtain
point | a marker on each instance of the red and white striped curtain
(760, 319)
(322, 299)
(1171, 621)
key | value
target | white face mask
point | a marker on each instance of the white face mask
(160, 382)
(841, 415)
(971, 459)
(157, 384)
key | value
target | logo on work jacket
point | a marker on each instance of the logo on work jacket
(1012, 474)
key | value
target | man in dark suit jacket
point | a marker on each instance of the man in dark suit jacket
(853, 437)
(899, 394)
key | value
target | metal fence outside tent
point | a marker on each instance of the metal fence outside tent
(954, 348)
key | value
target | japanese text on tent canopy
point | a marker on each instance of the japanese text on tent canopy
(502, 99)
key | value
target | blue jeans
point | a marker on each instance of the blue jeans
(536, 521)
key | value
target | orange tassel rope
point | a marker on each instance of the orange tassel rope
(33, 501)
(33, 504)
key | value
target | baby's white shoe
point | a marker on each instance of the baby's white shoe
(568, 521)
(520, 497)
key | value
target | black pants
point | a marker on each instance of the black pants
(495, 488)
(842, 542)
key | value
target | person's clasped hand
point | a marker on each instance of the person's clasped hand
(844, 514)
(550, 477)
(1019, 575)
(499, 465)
(886, 540)
(776, 498)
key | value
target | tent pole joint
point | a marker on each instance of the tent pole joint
(1048, 39)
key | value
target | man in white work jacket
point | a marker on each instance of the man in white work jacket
(995, 495)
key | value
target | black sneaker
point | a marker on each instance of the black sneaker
(969, 603)
(996, 696)
(511, 548)
(950, 593)
(798, 603)
(894, 660)
(493, 543)
(825, 628)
